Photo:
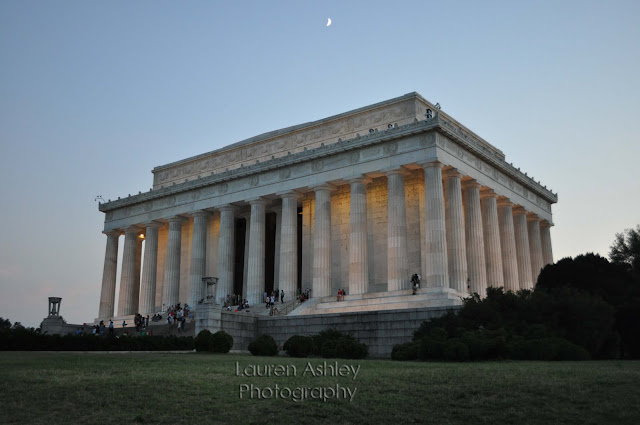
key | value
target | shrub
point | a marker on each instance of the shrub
(455, 351)
(204, 341)
(406, 351)
(222, 342)
(265, 345)
(299, 346)
(330, 343)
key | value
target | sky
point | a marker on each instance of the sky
(94, 95)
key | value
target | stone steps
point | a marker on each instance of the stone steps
(388, 306)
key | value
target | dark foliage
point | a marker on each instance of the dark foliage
(220, 342)
(265, 345)
(330, 343)
(299, 346)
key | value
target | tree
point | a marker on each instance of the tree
(626, 248)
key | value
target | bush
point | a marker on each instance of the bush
(222, 342)
(455, 351)
(299, 346)
(204, 341)
(265, 345)
(406, 351)
(331, 343)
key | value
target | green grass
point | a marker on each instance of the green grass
(185, 389)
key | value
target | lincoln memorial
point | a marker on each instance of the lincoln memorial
(358, 201)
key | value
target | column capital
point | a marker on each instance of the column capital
(545, 223)
(503, 201)
(175, 219)
(396, 171)
(116, 232)
(324, 186)
(487, 192)
(452, 173)
(258, 201)
(519, 210)
(227, 207)
(292, 194)
(134, 229)
(470, 184)
(152, 224)
(431, 164)
(358, 179)
(532, 217)
(200, 213)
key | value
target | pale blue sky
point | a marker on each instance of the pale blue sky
(93, 95)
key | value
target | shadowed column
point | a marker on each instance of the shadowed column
(437, 274)
(126, 298)
(149, 270)
(256, 271)
(535, 246)
(171, 286)
(109, 274)
(358, 259)
(456, 249)
(288, 268)
(545, 238)
(226, 252)
(522, 247)
(476, 262)
(508, 244)
(397, 268)
(491, 233)
(321, 262)
(198, 256)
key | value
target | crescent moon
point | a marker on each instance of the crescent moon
(328, 21)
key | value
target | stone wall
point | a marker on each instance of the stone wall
(380, 330)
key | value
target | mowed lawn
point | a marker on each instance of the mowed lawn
(66, 388)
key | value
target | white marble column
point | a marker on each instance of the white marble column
(245, 263)
(226, 252)
(508, 245)
(358, 258)
(437, 273)
(491, 233)
(109, 273)
(126, 298)
(171, 286)
(397, 268)
(476, 262)
(198, 258)
(149, 270)
(288, 267)
(522, 247)
(545, 238)
(456, 241)
(277, 248)
(535, 246)
(256, 271)
(321, 256)
(136, 286)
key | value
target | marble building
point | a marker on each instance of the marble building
(361, 201)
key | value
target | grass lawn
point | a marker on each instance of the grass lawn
(185, 389)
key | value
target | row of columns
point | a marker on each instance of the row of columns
(470, 233)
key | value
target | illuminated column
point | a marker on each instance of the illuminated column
(358, 259)
(255, 273)
(321, 262)
(491, 232)
(508, 244)
(247, 244)
(522, 247)
(226, 251)
(109, 273)
(456, 249)
(476, 262)
(397, 232)
(437, 274)
(171, 286)
(535, 246)
(288, 268)
(126, 298)
(198, 258)
(149, 270)
(545, 238)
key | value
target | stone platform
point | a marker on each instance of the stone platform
(377, 301)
